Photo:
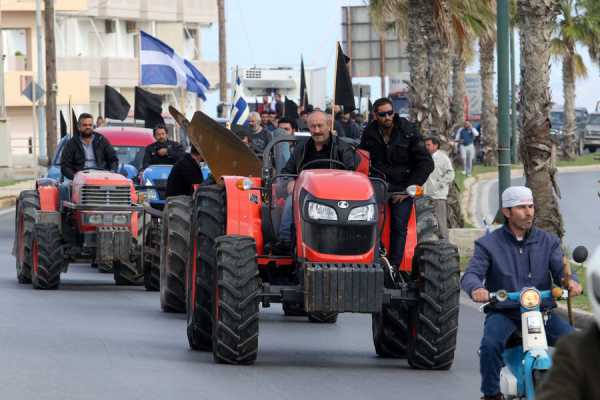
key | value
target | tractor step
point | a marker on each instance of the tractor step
(355, 288)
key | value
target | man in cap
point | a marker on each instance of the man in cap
(512, 257)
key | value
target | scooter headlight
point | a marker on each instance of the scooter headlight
(363, 213)
(321, 211)
(530, 298)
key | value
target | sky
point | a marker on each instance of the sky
(277, 32)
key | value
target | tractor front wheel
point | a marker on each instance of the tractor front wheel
(126, 273)
(323, 317)
(235, 330)
(434, 320)
(174, 253)
(46, 256)
(27, 205)
(152, 257)
(390, 331)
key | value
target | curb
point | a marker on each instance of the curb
(8, 201)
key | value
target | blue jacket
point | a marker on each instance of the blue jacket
(500, 261)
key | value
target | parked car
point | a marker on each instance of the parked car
(557, 119)
(591, 135)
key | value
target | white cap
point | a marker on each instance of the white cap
(516, 196)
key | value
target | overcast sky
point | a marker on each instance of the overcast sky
(268, 32)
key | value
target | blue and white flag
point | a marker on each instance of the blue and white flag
(240, 109)
(160, 65)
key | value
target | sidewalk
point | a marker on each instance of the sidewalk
(8, 194)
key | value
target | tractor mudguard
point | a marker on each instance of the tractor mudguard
(48, 191)
(411, 237)
(244, 211)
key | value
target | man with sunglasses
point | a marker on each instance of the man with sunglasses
(398, 154)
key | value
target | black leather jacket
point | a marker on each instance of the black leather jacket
(404, 160)
(174, 152)
(339, 150)
(72, 159)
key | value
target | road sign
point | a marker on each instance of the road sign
(28, 92)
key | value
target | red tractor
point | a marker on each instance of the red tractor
(337, 263)
(97, 222)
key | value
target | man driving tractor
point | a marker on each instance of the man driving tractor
(321, 145)
(515, 256)
(87, 150)
(163, 151)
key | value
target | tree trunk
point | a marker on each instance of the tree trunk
(51, 88)
(487, 44)
(570, 139)
(535, 24)
(417, 62)
(457, 110)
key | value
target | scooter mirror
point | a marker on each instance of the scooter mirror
(580, 254)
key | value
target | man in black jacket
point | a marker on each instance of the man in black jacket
(87, 150)
(186, 173)
(163, 151)
(397, 150)
(318, 150)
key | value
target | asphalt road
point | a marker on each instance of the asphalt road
(579, 206)
(92, 340)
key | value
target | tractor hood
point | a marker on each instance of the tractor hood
(330, 184)
(100, 178)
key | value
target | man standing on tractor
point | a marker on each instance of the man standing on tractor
(512, 257)
(163, 151)
(321, 145)
(186, 173)
(87, 150)
(397, 151)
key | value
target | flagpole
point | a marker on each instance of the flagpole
(70, 119)
(183, 101)
(337, 47)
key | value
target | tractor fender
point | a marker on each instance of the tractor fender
(244, 210)
(48, 192)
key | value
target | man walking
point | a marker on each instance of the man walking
(465, 137)
(439, 182)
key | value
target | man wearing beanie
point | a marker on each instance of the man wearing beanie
(515, 256)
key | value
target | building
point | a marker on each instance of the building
(97, 44)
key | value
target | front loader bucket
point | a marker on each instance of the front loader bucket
(223, 151)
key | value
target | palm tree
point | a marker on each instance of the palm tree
(487, 45)
(574, 26)
(536, 22)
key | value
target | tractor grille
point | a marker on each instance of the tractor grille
(106, 195)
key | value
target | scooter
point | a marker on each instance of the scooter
(526, 357)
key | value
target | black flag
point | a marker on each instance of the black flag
(148, 106)
(303, 90)
(115, 105)
(290, 109)
(63, 125)
(75, 127)
(344, 95)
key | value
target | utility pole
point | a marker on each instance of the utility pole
(222, 57)
(503, 104)
(50, 78)
(39, 77)
(513, 103)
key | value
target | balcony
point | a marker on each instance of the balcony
(72, 85)
(118, 72)
(199, 11)
(29, 5)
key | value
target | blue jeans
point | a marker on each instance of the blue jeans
(497, 330)
(287, 219)
(399, 222)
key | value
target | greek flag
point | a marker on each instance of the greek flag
(240, 109)
(160, 65)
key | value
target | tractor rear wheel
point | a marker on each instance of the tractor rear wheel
(434, 320)
(235, 330)
(323, 317)
(127, 273)
(208, 223)
(105, 268)
(174, 253)
(152, 257)
(27, 205)
(47, 257)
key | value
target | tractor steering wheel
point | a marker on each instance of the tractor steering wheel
(324, 160)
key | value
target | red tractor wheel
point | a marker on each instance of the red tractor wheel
(208, 223)
(175, 248)
(46, 256)
(27, 204)
(235, 331)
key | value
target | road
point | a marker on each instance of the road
(93, 340)
(578, 205)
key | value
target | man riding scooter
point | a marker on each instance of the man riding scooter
(515, 256)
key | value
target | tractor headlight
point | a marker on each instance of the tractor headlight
(152, 195)
(321, 211)
(530, 298)
(121, 219)
(92, 219)
(363, 213)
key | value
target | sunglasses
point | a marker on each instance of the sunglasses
(384, 114)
